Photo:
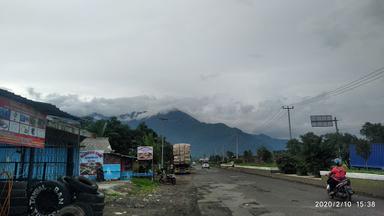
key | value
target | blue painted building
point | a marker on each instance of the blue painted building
(60, 152)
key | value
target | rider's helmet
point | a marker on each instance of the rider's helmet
(338, 161)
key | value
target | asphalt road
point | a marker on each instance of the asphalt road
(226, 192)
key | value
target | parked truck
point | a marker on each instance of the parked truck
(182, 158)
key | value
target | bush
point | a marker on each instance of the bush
(264, 155)
(286, 164)
(301, 168)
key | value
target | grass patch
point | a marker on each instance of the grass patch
(143, 185)
(273, 164)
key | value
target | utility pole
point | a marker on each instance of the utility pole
(223, 153)
(162, 145)
(337, 136)
(237, 146)
(162, 152)
(288, 108)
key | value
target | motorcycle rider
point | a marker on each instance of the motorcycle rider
(336, 175)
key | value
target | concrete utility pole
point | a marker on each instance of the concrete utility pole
(237, 146)
(162, 145)
(288, 108)
(162, 152)
(337, 136)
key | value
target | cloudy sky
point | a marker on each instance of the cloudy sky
(230, 61)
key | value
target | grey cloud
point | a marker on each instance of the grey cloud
(208, 76)
(230, 61)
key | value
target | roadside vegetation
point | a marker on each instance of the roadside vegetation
(311, 153)
(143, 186)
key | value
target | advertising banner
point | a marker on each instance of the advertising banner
(145, 153)
(21, 125)
(90, 161)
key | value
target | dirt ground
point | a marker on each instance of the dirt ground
(166, 199)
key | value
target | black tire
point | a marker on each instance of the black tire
(173, 181)
(65, 180)
(349, 197)
(18, 211)
(71, 210)
(88, 211)
(91, 198)
(16, 185)
(14, 194)
(81, 184)
(100, 213)
(17, 201)
(48, 197)
(96, 207)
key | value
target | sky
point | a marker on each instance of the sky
(230, 61)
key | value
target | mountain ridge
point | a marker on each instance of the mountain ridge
(205, 138)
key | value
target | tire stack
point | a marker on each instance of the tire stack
(68, 196)
(19, 198)
(85, 196)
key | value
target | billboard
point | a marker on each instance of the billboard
(89, 162)
(21, 125)
(145, 153)
(321, 121)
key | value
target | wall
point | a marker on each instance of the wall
(53, 157)
(376, 159)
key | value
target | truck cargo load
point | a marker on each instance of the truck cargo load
(182, 158)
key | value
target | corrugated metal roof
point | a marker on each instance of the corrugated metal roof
(98, 143)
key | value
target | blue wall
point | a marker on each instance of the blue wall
(55, 158)
(376, 159)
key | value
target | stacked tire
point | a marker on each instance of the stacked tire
(18, 198)
(48, 197)
(85, 196)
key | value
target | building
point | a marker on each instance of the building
(37, 140)
(96, 152)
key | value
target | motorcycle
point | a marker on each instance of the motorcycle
(167, 178)
(343, 190)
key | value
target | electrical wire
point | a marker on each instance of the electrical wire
(368, 78)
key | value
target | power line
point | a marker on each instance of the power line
(368, 78)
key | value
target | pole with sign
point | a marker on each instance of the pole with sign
(326, 121)
(146, 153)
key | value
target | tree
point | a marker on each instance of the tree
(316, 153)
(264, 154)
(294, 146)
(373, 132)
(363, 149)
(230, 155)
(248, 156)
(342, 140)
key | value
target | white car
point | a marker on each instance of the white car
(205, 165)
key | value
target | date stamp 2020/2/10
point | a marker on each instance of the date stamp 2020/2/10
(344, 204)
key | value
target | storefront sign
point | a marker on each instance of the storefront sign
(145, 153)
(90, 161)
(21, 125)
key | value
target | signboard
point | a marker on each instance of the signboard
(89, 162)
(145, 153)
(21, 125)
(321, 121)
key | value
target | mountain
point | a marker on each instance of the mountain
(205, 138)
